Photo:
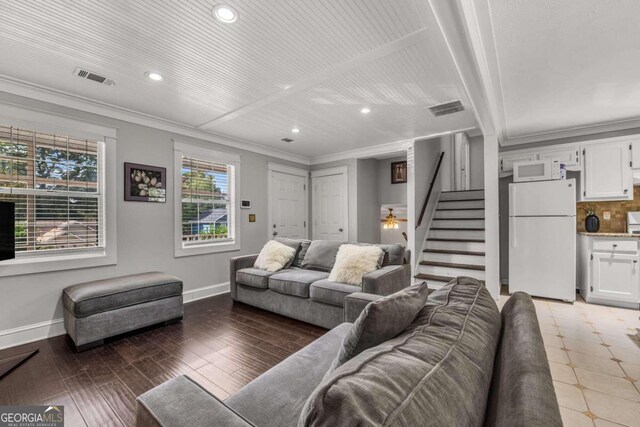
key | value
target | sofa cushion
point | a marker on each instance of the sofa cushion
(437, 372)
(254, 277)
(321, 255)
(276, 398)
(295, 282)
(393, 254)
(331, 292)
(382, 320)
(86, 299)
(300, 245)
(353, 262)
(274, 256)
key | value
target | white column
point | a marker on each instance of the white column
(492, 219)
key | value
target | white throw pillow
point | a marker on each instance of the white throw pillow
(353, 262)
(274, 256)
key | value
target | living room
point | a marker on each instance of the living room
(199, 199)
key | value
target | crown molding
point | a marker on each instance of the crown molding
(577, 131)
(378, 151)
(64, 99)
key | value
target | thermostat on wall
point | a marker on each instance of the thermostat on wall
(245, 204)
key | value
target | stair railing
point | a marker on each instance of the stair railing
(433, 183)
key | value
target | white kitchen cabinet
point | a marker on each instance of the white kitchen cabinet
(609, 270)
(507, 160)
(606, 172)
(615, 276)
(569, 156)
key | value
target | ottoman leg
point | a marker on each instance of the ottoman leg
(84, 347)
(171, 321)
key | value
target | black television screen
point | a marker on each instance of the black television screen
(7, 230)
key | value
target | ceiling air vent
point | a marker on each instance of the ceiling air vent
(84, 74)
(287, 140)
(446, 108)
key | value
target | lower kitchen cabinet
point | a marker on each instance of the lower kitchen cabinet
(609, 270)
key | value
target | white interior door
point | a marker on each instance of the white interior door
(330, 206)
(288, 205)
(461, 162)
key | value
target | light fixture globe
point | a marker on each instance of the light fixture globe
(224, 13)
(390, 221)
(152, 75)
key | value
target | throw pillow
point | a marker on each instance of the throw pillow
(274, 256)
(292, 243)
(353, 262)
(382, 320)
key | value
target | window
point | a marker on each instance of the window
(56, 183)
(206, 203)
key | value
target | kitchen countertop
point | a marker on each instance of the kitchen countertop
(627, 235)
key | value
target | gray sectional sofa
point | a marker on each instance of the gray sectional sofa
(460, 363)
(302, 290)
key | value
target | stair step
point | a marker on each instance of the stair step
(452, 265)
(435, 277)
(445, 251)
(458, 223)
(461, 195)
(458, 228)
(459, 209)
(449, 270)
(461, 191)
(460, 200)
(456, 233)
(457, 240)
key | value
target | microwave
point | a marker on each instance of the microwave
(536, 170)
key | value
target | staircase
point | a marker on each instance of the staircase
(455, 241)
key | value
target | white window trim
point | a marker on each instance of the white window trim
(47, 122)
(200, 152)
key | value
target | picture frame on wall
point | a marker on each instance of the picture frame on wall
(144, 183)
(399, 172)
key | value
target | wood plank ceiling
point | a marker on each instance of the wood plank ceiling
(282, 64)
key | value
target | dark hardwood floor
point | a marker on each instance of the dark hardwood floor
(221, 345)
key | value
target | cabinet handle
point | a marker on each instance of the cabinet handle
(615, 246)
(626, 190)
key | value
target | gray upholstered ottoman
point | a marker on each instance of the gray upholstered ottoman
(101, 309)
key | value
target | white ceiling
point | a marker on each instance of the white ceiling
(284, 63)
(566, 65)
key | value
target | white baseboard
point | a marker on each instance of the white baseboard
(39, 331)
(205, 292)
(30, 333)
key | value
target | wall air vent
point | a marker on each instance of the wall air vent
(287, 140)
(84, 74)
(446, 108)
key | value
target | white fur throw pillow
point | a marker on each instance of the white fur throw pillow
(274, 256)
(353, 262)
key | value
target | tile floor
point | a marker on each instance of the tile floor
(594, 355)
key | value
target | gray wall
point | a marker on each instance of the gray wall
(144, 230)
(368, 204)
(476, 162)
(388, 193)
(426, 154)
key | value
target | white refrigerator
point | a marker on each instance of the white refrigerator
(542, 238)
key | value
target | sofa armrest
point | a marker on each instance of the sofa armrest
(235, 264)
(182, 402)
(387, 280)
(355, 303)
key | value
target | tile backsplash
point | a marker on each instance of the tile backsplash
(618, 210)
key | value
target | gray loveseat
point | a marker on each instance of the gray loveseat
(460, 363)
(303, 292)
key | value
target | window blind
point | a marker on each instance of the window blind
(207, 202)
(56, 183)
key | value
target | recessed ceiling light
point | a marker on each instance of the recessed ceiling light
(295, 130)
(365, 110)
(153, 76)
(225, 13)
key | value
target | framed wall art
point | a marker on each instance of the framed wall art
(399, 172)
(144, 183)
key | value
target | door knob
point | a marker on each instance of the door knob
(340, 229)
(275, 233)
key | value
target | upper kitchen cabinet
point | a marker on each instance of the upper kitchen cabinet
(507, 160)
(570, 156)
(607, 172)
